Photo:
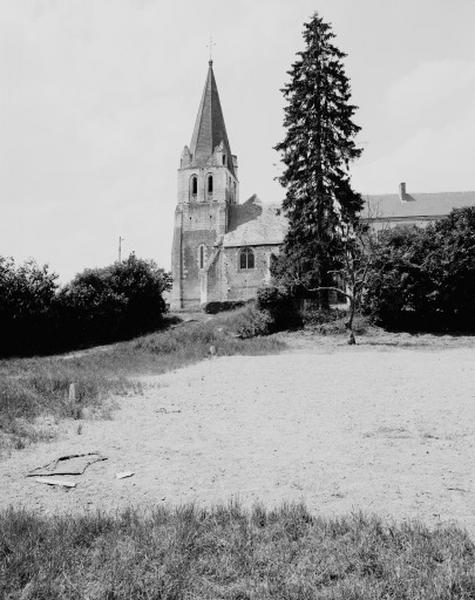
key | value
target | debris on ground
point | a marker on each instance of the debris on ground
(58, 482)
(124, 474)
(72, 464)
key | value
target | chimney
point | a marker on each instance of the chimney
(402, 192)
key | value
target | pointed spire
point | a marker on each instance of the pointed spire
(210, 130)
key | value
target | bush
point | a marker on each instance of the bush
(99, 305)
(425, 278)
(251, 322)
(281, 308)
(333, 321)
(27, 295)
(212, 308)
(112, 303)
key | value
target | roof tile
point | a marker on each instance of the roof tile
(253, 223)
(417, 205)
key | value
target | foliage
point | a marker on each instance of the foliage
(115, 302)
(27, 295)
(358, 243)
(227, 552)
(280, 306)
(333, 321)
(212, 308)
(425, 276)
(118, 301)
(317, 150)
(252, 322)
(387, 293)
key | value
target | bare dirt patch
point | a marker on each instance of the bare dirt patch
(380, 428)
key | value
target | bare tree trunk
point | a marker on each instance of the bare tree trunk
(351, 299)
(349, 323)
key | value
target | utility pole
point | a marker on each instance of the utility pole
(121, 239)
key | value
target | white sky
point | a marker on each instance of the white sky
(100, 96)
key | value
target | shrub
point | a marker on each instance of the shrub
(251, 322)
(281, 308)
(333, 321)
(114, 302)
(27, 294)
(212, 308)
(99, 305)
(425, 277)
(390, 287)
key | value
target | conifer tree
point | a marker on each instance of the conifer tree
(317, 150)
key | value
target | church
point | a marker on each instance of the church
(223, 249)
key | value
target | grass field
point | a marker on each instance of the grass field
(229, 553)
(34, 392)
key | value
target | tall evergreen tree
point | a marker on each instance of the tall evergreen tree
(317, 150)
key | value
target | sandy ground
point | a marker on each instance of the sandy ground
(383, 429)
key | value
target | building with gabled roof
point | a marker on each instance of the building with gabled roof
(413, 209)
(223, 250)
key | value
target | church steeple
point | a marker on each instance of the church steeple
(208, 188)
(210, 131)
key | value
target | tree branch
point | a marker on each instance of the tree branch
(330, 289)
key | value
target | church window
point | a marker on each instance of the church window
(224, 159)
(246, 259)
(201, 256)
(194, 185)
(210, 184)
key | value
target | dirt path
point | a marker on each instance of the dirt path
(388, 431)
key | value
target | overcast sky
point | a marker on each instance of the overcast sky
(100, 96)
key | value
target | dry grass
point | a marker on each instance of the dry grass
(229, 553)
(32, 389)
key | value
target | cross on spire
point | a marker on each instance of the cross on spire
(210, 46)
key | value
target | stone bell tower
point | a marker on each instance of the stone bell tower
(207, 186)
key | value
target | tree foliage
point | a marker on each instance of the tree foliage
(99, 305)
(27, 296)
(425, 277)
(113, 302)
(316, 151)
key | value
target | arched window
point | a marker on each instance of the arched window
(224, 159)
(194, 185)
(201, 257)
(210, 184)
(246, 258)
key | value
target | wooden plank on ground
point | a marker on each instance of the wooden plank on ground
(58, 482)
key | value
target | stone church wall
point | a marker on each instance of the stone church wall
(214, 289)
(200, 224)
(221, 185)
(242, 284)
